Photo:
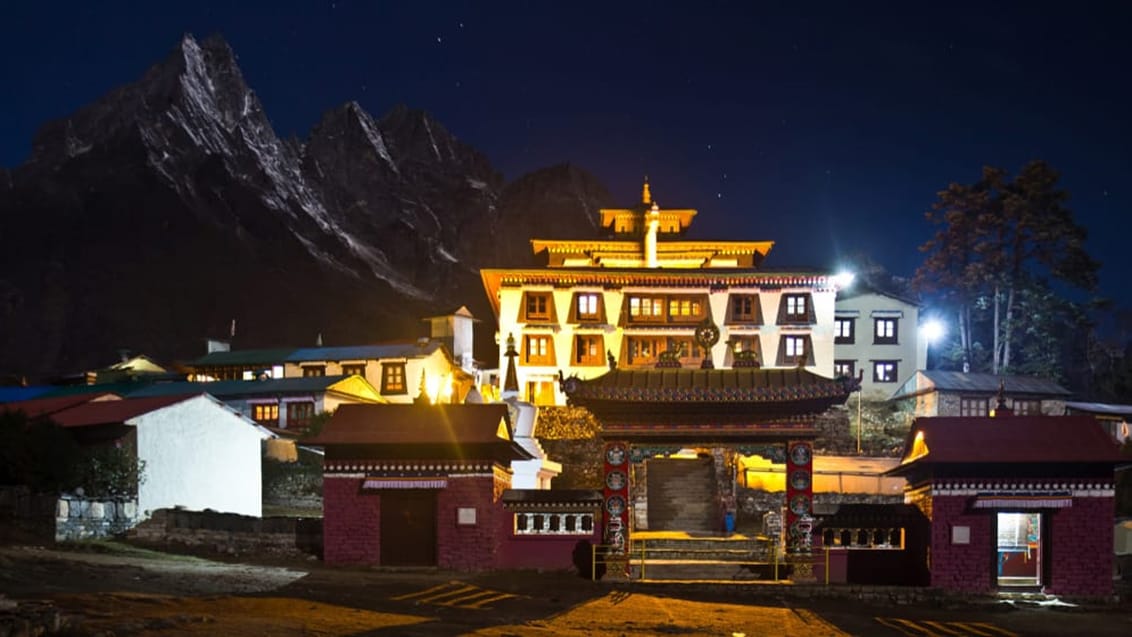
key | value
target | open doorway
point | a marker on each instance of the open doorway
(1019, 549)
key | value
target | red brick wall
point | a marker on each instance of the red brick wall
(351, 531)
(1081, 556)
(961, 567)
(468, 547)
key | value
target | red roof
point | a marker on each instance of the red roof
(47, 406)
(112, 412)
(414, 424)
(1010, 439)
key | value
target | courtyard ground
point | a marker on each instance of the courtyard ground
(113, 589)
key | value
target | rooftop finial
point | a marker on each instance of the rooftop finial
(646, 196)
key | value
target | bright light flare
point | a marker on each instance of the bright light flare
(844, 279)
(933, 330)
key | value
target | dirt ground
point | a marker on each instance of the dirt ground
(110, 589)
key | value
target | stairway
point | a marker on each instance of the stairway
(681, 495)
(682, 556)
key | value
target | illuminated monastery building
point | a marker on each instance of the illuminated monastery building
(644, 292)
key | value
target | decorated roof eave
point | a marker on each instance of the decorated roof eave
(494, 279)
(583, 245)
(685, 435)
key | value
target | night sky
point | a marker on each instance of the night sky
(826, 128)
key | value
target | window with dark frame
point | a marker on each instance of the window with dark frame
(538, 350)
(354, 369)
(884, 371)
(538, 306)
(310, 371)
(299, 414)
(588, 350)
(393, 378)
(796, 309)
(1026, 407)
(646, 308)
(975, 407)
(644, 350)
(266, 413)
(587, 306)
(886, 332)
(843, 332)
(847, 368)
(744, 308)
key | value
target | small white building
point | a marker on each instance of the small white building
(196, 452)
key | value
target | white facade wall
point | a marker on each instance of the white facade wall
(910, 352)
(562, 332)
(199, 455)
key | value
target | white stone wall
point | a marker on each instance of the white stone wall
(199, 455)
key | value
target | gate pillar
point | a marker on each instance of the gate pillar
(800, 506)
(615, 501)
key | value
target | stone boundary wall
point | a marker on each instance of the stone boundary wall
(79, 518)
(47, 518)
(231, 533)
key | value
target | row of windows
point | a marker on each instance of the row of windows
(883, 371)
(298, 413)
(982, 406)
(589, 349)
(885, 331)
(588, 307)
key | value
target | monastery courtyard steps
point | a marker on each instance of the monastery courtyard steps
(681, 494)
(676, 555)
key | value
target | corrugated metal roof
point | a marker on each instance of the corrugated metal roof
(16, 394)
(1101, 409)
(363, 352)
(1010, 439)
(979, 383)
(243, 357)
(53, 404)
(111, 412)
(231, 388)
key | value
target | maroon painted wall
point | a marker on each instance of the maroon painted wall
(962, 567)
(541, 552)
(1082, 555)
(351, 526)
(467, 547)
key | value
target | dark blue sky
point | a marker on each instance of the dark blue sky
(827, 128)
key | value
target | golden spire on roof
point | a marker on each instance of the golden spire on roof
(646, 196)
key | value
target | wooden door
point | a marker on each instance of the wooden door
(408, 527)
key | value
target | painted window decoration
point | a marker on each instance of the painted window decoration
(800, 479)
(393, 378)
(615, 505)
(615, 455)
(800, 455)
(615, 480)
(795, 350)
(537, 307)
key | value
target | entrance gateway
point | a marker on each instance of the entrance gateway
(648, 414)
